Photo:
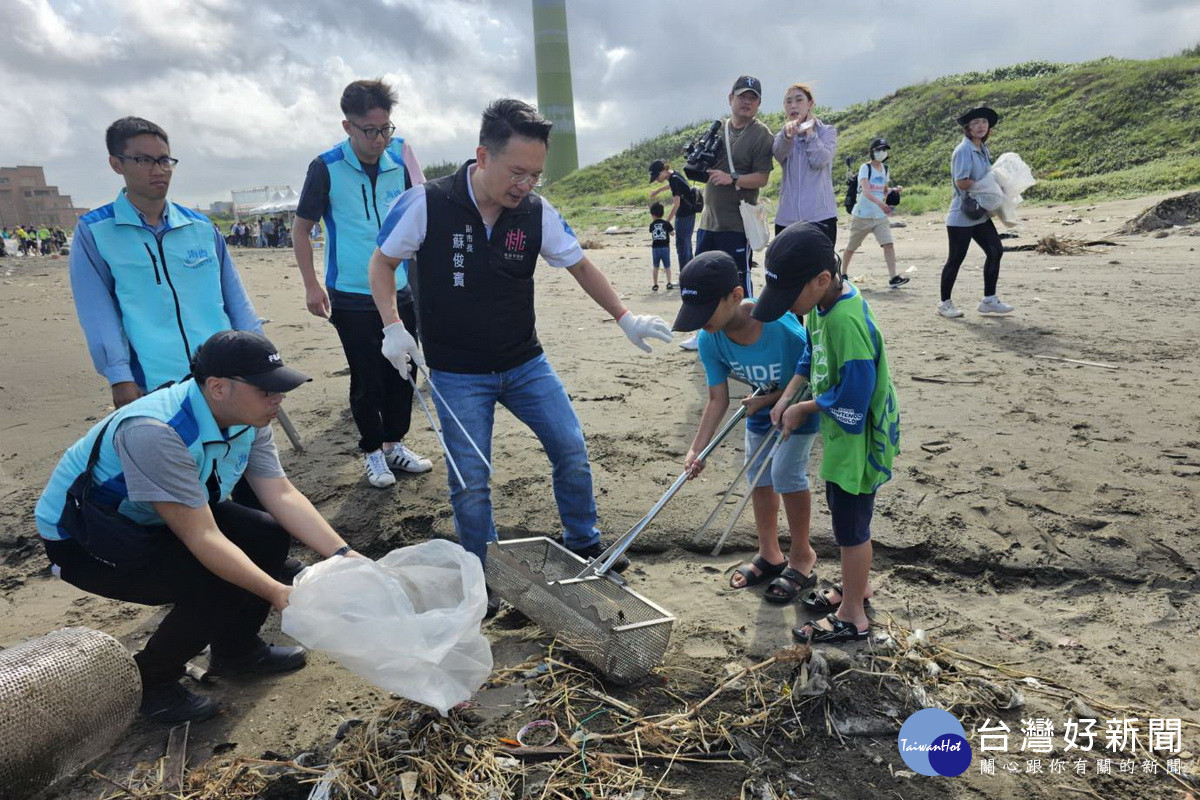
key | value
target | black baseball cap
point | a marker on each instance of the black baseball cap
(746, 83)
(247, 356)
(795, 256)
(879, 144)
(656, 166)
(703, 284)
(981, 112)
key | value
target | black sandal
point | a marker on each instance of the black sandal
(842, 631)
(789, 584)
(766, 571)
(819, 601)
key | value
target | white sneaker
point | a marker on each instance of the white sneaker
(946, 309)
(691, 344)
(378, 474)
(401, 459)
(994, 305)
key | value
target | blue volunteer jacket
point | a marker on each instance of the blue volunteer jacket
(221, 457)
(168, 286)
(355, 213)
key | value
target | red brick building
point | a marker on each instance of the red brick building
(26, 199)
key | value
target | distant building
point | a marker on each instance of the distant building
(220, 208)
(26, 199)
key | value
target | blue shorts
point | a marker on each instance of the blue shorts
(788, 471)
(851, 514)
(661, 256)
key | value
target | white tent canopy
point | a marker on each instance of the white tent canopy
(279, 202)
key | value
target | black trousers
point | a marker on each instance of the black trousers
(984, 235)
(380, 398)
(828, 226)
(205, 610)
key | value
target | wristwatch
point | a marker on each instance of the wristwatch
(341, 551)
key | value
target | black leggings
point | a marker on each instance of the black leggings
(986, 237)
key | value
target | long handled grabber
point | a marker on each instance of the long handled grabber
(453, 416)
(763, 445)
(286, 423)
(777, 437)
(602, 563)
(438, 431)
(773, 440)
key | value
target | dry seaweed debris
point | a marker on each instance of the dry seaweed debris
(1060, 246)
(604, 747)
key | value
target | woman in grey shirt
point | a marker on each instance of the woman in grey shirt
(805, 147)
(971, 162)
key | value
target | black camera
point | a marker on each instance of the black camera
(702, 153)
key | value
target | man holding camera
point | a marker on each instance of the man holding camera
(746, 142)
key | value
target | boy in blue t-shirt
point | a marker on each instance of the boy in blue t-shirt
(660, 244)
(733, 343)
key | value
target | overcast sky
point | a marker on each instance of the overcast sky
(248, 91)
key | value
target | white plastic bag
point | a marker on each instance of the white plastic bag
(408, 623)
(987, 192)
(1014, 177)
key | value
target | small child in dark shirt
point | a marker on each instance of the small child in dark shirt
(660, 244)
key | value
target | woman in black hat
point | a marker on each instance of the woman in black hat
(966, 220)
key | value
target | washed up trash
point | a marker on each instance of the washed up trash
(408, 623)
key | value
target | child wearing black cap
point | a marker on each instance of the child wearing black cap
(660, 244)
(853, 396)
(734, 344)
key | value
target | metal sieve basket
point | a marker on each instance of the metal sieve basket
(616, 630)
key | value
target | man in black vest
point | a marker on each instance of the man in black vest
(477, 235)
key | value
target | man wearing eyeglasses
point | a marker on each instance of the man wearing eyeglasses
(151, 279)
(140, 510)
(476, 236)
(349, 187)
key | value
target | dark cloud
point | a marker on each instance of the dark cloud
(249, 91)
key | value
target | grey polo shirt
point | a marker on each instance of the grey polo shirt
(966, 162)
(158, 467)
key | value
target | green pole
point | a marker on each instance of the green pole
(556, 102)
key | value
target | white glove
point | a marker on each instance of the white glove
(400, 348)
(640, 328)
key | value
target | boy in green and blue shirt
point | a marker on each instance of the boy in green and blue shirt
(853, 395)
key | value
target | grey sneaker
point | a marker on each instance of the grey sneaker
(691, 344)
(401, 459)
(378, 473)
(994, 305)
(946, 309)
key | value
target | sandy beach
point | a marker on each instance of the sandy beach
(1043, 511)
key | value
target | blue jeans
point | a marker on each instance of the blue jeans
(534, 395)
(683, 238)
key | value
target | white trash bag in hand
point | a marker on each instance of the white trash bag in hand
(1013, 176)
(408, 623)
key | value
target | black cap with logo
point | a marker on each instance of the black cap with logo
(703, 284)
(798, 254)
(746, 83)
(656, 168)
(247, 356)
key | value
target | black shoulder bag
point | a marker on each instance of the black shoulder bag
(106, 534)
